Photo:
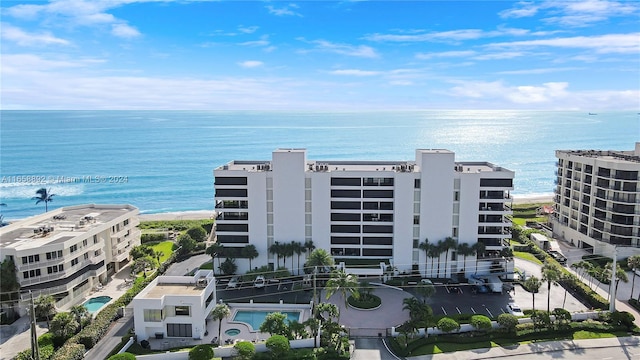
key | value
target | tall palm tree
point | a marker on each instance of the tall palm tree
(308, 247)
(320, 258)
(433, 252)
(439, 249)
(220, 312)
(250, 252)
(44, 196)
(533, 284)
(634, 264)
(449, 243)
(620, 275)
(465, 250)
(298, 249)
(424, 246)
(344, 283)
(413, 306)
(288, 251)
(81, 314)
(479, 248)
(276, 249)
(215, 251)
(551, 274)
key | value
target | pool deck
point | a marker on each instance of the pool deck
(246, 332)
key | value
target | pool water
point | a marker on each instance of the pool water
(94, 304)
(255, 318)
(232, 332)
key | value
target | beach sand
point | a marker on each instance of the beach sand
(208, 214)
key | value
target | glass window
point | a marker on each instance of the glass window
(154, 315)
(183, 310)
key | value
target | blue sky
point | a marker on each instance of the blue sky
(320, 55)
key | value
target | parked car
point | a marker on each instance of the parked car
(480, 289)
(259, 282)
(233, 283)
(561, 259)
(514, 309)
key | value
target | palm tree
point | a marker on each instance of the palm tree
(424, 246)
(276, 249)
(433, 252)
(465, 250)
(533, 284)
(449, 243)
(215, 251)
(344, 283)
(413, 306)
(425, 291)
(44, 196)
(81, 313)
(250, 252)
(439, 249)
(220, 312)
(634, 264)
(288, 251)
(319, 258)
(620, 275)
(479, 248)
(551, 274)
(298, 249)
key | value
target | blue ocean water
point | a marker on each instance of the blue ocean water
(163, 161)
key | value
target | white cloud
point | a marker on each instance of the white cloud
(251, 64)
(572, 13)
(124, 31)
(343, 49)
(603, 44)
(500, 55)
(15, 63)
(445, 54)
(537, 71)
(354, 72)
(523, 94)
(248, 29)
(23, 38)
(454, 36)
(264, 41)
(287, 10)
(522, 9)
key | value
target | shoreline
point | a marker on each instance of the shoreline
(208, 214)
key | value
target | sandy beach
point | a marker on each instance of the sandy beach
(208, 214)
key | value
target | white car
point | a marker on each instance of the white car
(514, 309)
(259, 282)
(233, 283)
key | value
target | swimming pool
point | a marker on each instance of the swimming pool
(94, 304)
(255, 318)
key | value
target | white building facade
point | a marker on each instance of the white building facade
(367, 212)
(597, 200)
(68, 251)
(175, 306)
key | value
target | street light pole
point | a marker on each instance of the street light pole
(35, 351)
(612, 288)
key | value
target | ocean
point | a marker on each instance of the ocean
(163, 161)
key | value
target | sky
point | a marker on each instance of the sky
(320, 55)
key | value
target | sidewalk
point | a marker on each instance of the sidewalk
(534, 348)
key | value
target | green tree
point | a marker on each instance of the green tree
(562, 318)
(220, 312)
(63, 326)
(320, 258)
(479, 249)
(81, 314)
(297, 330)
(329, 311)
(197, 233)
(541, 319)
(297, 249)
(276, 249)
(8, 276)
(425, 246)
(425, 291)
(216, 250)
(142, 264)
(551, 274)
(274, 324)
(621, 275)
(245, 349)
(250, 252)
(344, 283)
(465, 250)
(308, 247)
(288, 251)
(633, 262)
(141, 251)
(448, 244)
(438, 250)
(533, 284)
(447, 325)
(45, 307)
(481, 323)
(186, 243)
(508, 322)
(228, 266)
(123, 356)
(278, 345)
(201, 352)
(44, 196)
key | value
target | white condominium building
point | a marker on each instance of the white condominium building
(598, 200)
(367, 212)
(68, 251)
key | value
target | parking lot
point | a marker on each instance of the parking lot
(272, 292)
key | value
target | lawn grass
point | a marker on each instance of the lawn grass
(166, 247)
(526, 256)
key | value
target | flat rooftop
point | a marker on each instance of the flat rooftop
(163, 289)
(608, 155)
(59, 225)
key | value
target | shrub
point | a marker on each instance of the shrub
(372, 301)
(197, 233)
(123, 356)
(278, 345)
(622, 318)
(145, 344)
(481, 322)
(508, 322)
(245, 350)
(152, 237)
(201, 352)
(45, 344)
(70, 351)
(447, 325)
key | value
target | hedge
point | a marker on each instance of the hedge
(45, 344)
(152, 237)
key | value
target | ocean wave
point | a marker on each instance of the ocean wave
(22, 191)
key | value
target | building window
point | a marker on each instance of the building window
(179, 330)
(54, 255)
(183, 310)
(86, 256)
(456, 196)
(54, 269)
(74, 262)
(416, 219)
(30, 259)
(95, 239)
(31, 273)
(73, 248)
(126, 222)
(416, 243)
(416, 184)
(152, 315)
(84, 242)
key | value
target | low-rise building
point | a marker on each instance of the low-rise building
(68, 251)
(175, 306)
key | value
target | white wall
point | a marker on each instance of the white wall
(403, 220)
